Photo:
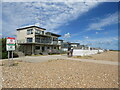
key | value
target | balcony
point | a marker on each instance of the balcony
(39, 41)
(44, 42)
(42, 34)
(47, 42)
(54, 43)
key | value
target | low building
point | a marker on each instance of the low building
(74, 44)
(34, 40)
(65, 45)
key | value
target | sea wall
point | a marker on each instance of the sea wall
(79, 52)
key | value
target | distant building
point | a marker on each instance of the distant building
(74, 44)
(34, 40)
(65, 45)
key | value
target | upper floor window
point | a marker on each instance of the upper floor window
(29, 31)
(29, 39)
(55, 39)
(37, 31)
(48, 33)
(43, 32)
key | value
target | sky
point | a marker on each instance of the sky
(93, 23)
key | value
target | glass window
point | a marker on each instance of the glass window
(29, 39)
(37, 31)
(37, 47)
(43, 32)
(37, 39)
(55, 39)
(29, 31)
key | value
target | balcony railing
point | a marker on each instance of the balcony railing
(47, 42)
(41, 41)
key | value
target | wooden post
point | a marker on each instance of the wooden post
(12, 58)
(12, 55)
(8, 59)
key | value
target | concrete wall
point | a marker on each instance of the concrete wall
(64, 49)
(79, 52)
(22, 35)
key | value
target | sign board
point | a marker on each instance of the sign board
(10, 44)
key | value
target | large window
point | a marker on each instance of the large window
(55, 39)
(43, 32)
(37, 40)
(37, 31)
(29, 31)
(29, 39)
(37, 47)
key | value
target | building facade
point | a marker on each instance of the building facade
(34, 40)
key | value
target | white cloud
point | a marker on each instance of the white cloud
(45, 14)
(110, 42)
(60, 0)
(99, 29)
(108, 20)
(67, 35)
(96, 32)
(86, 37)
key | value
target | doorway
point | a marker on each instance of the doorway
(43, 49)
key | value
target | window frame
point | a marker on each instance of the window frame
(37, 48)
(29, 41)
(37, 31)
(29, 31)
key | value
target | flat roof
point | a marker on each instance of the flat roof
(74, 43)
(30, 27)
(60, 40)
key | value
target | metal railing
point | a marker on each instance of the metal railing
(41, 41)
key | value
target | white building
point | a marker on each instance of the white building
(34, 40)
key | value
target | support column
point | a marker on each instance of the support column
(59, 47)
(33, 49)
(89, 48)
(82, 48)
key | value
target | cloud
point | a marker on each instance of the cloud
(110, 42)
(100, 23)
(49, 15)
(60, 0)
(99, 29)
(96, 32)
(86, 37)
(108, 20)
(67, 35)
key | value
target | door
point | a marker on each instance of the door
(43, 49)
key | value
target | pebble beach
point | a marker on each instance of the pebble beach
(60, 74)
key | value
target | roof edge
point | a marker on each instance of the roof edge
(29, 27)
